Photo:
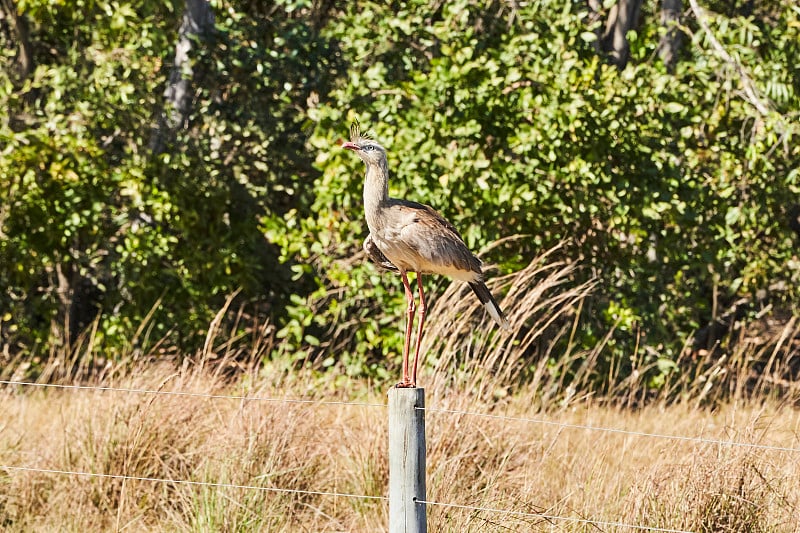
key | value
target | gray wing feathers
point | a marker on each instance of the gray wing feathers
(435, 239)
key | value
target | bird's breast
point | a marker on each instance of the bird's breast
(406, 256)
(395, 250)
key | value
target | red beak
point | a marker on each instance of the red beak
(350, 146)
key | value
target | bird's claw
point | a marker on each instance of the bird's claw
(406, 384)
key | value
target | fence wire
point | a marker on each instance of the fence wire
(240, 397)
(529, 420)
(508, 512)
(629, 432)
(193, 483)
(552, 518)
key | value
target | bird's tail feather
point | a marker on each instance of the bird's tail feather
(485, 296)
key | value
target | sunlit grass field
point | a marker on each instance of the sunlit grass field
(497, 463)
(228, 453)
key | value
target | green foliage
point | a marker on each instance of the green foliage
(71, 174)
(95, 227)
(672, 189)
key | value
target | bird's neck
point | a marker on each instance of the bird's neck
(376, 192)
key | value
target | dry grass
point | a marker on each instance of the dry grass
(472, 354)
(498, 462)
(485, 462)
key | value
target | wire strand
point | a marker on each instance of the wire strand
(191, 394)
(618, 431)
(552, 517)
(633, 433)
(336, 495)
(193, 483)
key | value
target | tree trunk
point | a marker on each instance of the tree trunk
(613, 41)
(19, 23)
(671, 41)
(197, 25)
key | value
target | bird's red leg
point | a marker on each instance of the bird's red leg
(423, 308)
(407, 382)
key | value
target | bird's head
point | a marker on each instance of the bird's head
(368, 149)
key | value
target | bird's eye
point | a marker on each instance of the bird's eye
(369, 148)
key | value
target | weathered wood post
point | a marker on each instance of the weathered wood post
(407, 461)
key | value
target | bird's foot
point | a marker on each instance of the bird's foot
(406, 384)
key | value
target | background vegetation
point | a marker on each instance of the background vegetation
(174, 210)
(143, 191)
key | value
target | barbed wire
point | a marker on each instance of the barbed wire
(530, 420)
(193, 483)
(241, 397)
(549, 517)
(542, 516)
(703, 440)
(542, 421)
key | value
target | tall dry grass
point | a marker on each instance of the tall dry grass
(542, 302)
(533, 456)
(498, 463)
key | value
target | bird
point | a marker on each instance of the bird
(406, 236)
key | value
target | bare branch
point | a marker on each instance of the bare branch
(748, 85)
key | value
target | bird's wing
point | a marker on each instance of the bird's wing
(376, 256)
(434, 239)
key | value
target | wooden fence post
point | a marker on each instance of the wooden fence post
(407, 461)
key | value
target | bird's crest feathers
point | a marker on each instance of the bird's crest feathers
(356, 134)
